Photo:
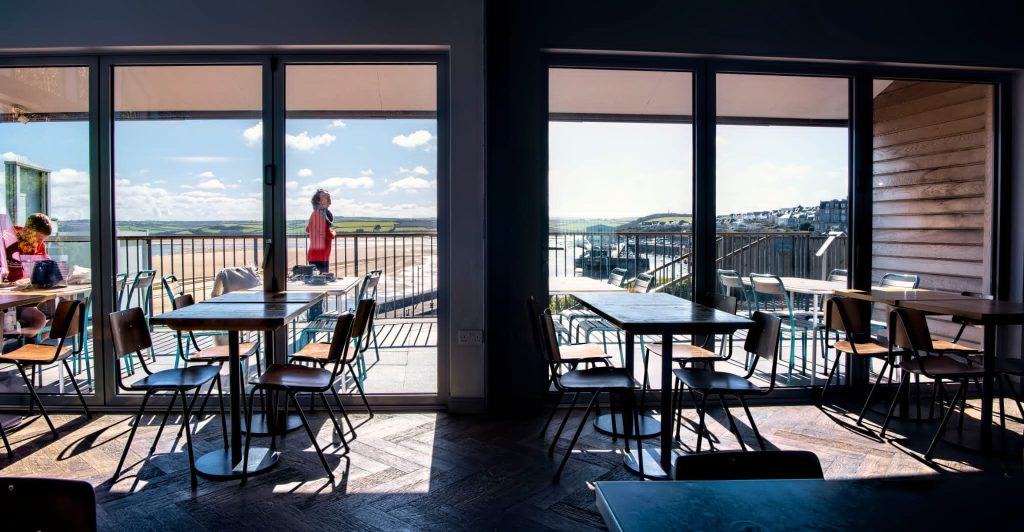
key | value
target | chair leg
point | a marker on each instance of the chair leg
(677, 388)
(248, 438)
(753, 425)
(334, 419)
(131, 436)
(835, 366)
(344, 413)
(575, 438)
(35, 398)
(558, 401)
(561, 426)
(74, 382)
(167, 413)
(700, 428)
(7, 444)
(871, 393)
(186, 425)
(732, 423)
(223, 415)
(895, 399)
(312, 436)
(362, 394)
(945, 420)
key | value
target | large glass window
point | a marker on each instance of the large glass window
(44, 152)
(782, 206)
(361, 166)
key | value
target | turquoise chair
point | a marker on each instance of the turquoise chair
(770, 296)
(172, 289)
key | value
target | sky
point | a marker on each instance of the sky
(622, 170)
(211, 170)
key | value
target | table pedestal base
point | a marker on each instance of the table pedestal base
(649, 427)
(260, 427)
(217, 465)
(652, 463)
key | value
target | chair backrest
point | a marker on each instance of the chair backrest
(749, 465)
(838, 275)
(364, 313)
(120, 282)
(171, 287)
(849, 315)
(617, 277)
(549, 338)
(47, 504)
(724, 303)
(900, 280)
(908, 329)
(141, 291)
(763, 338)
(129, 331)
(768, 288)
(368, 288)
(340, 338)
(730, 279)
(644, 283)
(67, 320)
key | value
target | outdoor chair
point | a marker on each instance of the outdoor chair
(763, 341)
(140, 294)
(770, 296)
(319, 353)
(852, 318)
(615, 381)
(324, 323)
(617, 277)
(895, 280)
(733, 284)
(908, 329)
(291, 379)
(172, 289)
(754, 465)
(66, 327)
(643, 284)
(130, 333)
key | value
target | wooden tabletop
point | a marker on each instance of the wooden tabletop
(340, 286)
(565, 285)
(893, 296)
(247, 296)
(231, 317)
(9, 300)
(64, 292)
(984, 311)
(801, 285)
(860, 504)
(659, 313)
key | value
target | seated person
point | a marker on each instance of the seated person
(29, 240)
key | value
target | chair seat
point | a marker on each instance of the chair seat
(219, 353)
(706, 380)
(295, 377)
(683, 351)
(941, 366)
(313, 352)
(597, 378)
(582, 353)
(36, 354)
(873, 348)
(945, 345)
(598, 324)
(179, 378)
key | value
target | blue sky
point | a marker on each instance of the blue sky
(212, 169)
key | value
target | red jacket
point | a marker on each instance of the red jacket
(320, 238)
(15, 270)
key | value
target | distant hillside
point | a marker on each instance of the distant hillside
(251, 227)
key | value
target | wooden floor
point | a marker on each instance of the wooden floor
(434, 471)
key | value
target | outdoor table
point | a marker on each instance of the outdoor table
(665, 315)
(819, 290)
(856, 504)
(568, 285)
(267, 316)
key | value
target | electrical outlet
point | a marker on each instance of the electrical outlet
(471, 337)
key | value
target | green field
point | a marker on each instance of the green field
(295, 227)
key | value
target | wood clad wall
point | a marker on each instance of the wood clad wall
(932, 184)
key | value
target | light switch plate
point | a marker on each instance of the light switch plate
(471, 337)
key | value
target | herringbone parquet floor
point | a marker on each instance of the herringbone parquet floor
(432, 471)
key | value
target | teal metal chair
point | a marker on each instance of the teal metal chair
(733, 285)
(770, 296)
(141, 293)
(617, 277)
(900, 280)
(172, 289)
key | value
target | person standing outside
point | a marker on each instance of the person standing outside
(320, 231)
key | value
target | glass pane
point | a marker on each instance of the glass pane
(188, 192)
(361, 164)
(44, 147)
(782, 161)
(620, 193)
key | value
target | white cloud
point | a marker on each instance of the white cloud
(253, 135)
(336, 124)
(305, 172)
(11, 156)
(417, 138)
(207, 174)
(304, 142)
(368, 171)
(420, 170)
(70, 200)
(198, 159)
(410, 184)
(292, 185)
(211, 185)
(346, 182)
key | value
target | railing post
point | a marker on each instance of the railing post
(356, 243)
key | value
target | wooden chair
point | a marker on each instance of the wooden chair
(908, 329)
(756, 465)
(572, 356)
(66, 327)
(47, 504)
(130, 333)
(291, 379)
(852, 318)
(616, 381)
(762, 341)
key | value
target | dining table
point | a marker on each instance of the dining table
(567, 285)
(898, 504)
(266, 312)
(664, 315)
(990, 314)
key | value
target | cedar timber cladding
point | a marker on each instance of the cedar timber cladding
(933, 176)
